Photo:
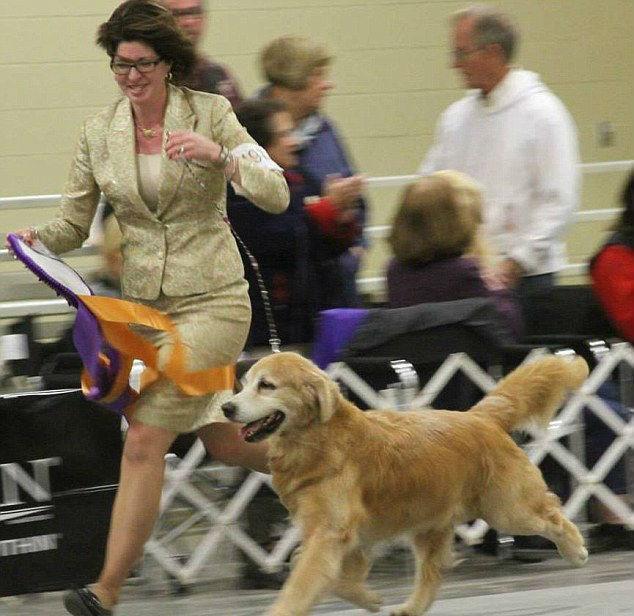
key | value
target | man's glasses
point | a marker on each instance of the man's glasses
(142, 66)
(458, 55)
(194, 11)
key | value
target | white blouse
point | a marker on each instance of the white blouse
(149, 170)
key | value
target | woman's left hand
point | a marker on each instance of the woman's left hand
(188, 145)
(28, 236)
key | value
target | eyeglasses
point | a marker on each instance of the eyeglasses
(142, 66)
(459, 55)
(194, 11)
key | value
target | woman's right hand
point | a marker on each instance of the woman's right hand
(28, 236)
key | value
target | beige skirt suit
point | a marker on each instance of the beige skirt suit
(179, 255)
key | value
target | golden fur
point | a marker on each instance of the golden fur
(351, 478)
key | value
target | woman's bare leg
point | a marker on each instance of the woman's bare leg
(135, 507)
(224, 443)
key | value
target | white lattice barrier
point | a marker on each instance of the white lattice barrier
(589, 482)
(224, 519)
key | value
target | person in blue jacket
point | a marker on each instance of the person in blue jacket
(297, 251)
(297, 72)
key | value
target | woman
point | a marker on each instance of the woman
(162, 156)
(612, 268)
(438, 252)
(297, 72)
(295, 250)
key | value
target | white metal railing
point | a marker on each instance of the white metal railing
(41, 307)
(366, 284)
(39, 201)
(614, 166)
(27, 202)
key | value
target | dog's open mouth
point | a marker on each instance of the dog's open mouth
(257, 430)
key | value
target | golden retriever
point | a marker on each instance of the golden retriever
(352, 478)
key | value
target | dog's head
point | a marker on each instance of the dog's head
(282, 392)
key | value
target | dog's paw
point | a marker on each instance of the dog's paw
(576, 555)
(580, 558)
(371, 601)
(276, 611)
(361, 596)
(405, 610)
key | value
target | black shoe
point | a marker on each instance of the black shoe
(82, 602)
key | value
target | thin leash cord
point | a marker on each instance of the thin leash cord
(274, 338)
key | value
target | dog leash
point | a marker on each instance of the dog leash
(274, 338)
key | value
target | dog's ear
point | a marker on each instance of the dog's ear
(326, 394)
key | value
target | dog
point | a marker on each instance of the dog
(353, 478)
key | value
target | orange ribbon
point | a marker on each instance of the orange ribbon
(115, 317)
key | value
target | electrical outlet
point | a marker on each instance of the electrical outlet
(606, 135)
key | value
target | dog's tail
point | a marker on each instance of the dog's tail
(532, 393)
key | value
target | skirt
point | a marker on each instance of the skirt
(213, 327)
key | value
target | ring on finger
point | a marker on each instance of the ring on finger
(181, 150)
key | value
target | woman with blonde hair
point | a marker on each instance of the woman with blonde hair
(297, 72)
(439, 254)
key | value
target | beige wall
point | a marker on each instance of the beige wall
(391, 72)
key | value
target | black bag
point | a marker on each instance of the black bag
(59, 468)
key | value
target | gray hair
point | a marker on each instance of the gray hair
(490, 26)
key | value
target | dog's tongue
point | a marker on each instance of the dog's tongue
(261, 428)
(250, 431)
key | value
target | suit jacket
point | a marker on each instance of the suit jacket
(184, 247)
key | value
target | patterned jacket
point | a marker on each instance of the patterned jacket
(184, 247)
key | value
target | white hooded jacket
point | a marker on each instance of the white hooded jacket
(520, 144)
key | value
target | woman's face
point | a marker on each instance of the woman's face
(141, 88)
(284, 144)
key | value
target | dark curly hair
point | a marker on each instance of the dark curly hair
(154, 25)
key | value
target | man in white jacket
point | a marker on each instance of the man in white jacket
(516, 138)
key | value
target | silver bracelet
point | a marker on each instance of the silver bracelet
(231, 167)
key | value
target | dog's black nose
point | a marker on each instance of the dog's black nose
(229, 409)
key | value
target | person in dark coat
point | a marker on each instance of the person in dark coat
(206, 75)
(297, 71)
(295, 250)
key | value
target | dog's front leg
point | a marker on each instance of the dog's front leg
(351, 583)
(432, 551)
(317, 567)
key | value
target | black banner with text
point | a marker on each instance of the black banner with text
(59, 466)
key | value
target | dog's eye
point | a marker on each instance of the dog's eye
(264, 384)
